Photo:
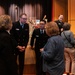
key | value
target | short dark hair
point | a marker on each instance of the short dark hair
(44, 21)
(22, 14)
(66, 26)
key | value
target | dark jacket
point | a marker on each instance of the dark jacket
(39, 39)
(60, 25)
(8, 65)
(53, 56)
(20, 34)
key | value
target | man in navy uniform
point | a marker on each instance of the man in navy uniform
(39, 37)
(60, 23)
(20, 31)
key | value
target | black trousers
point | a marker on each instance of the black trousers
(20, 57)
(47, 73)
(39, 64)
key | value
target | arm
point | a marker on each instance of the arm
(49, 50)
(72, 38)
(26, 39)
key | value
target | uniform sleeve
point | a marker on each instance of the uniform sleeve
(27, 36)
(32, 38)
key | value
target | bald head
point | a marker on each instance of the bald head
(61, 18)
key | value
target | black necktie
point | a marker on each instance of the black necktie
(41, 31)
(22, 25)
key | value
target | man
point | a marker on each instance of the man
(40, 37)
(20, 31)
(60, 23)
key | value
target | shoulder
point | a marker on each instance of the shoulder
(55, 38)
(17, 22)
(26, 25)
(36, 30)
(56, 21)
(4, 35)
(68, 32)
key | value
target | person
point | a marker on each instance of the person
(60, 22)
(39, 39)
(8, 65)
(20, 31)
(69, 52)
(53, 51)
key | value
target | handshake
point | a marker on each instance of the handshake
(21, 48)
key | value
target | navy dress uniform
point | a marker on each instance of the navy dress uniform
(40, 37)
(60, 25)
(21, 34)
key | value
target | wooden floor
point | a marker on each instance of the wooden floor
(29, 69)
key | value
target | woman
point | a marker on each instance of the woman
(53, 51)
(8, 65)
(69, 52)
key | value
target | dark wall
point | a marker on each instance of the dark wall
(47, 9)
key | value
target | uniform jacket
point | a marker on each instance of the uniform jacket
(60, 25)
(21, 35)
(53, 56)
(8, 65)
(39, 39)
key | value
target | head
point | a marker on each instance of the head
(66, 26)
(42, 24)
(60, 18)
(23, 18)
(5, 22)
(52, 29)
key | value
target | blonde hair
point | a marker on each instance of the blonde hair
(52, 28)
(5, 22)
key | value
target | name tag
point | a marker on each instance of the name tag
(37, 35)
(17, 29)
(26, 29)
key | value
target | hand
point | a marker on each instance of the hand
(42, 49)
(61, 29)
(21, 48)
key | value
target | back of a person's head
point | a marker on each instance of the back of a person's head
(5, 22)
(52, 28)
(66, 26)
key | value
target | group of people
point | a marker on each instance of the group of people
(53, 44)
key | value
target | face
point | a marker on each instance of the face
(42, 25)
(61, 18)
(23, 19)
